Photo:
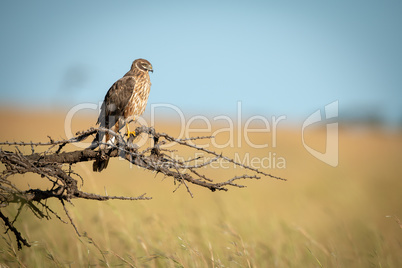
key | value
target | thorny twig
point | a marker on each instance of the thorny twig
(55, 165)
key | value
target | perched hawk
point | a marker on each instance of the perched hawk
(125, 101)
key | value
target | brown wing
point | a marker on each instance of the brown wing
(115, 101)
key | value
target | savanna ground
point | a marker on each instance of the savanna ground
(321, 217)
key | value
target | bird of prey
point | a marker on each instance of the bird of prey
(126, 100)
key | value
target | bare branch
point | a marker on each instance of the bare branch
(17, 234)
(56, 166)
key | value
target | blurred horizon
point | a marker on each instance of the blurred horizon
(276, 58)
(314, 92)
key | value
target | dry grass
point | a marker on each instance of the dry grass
(321, 217)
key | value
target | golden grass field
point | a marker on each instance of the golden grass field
(321, 217)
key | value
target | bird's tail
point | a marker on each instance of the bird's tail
(100, 164)
(103, 160)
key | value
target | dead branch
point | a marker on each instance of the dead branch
(55, 165)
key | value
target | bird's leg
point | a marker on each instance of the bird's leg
(130, 132)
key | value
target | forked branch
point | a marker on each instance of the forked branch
(55, 165)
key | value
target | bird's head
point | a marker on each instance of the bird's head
(142, 65)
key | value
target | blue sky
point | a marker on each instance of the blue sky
(276, 57)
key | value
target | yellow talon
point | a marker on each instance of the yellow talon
(130, 132)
